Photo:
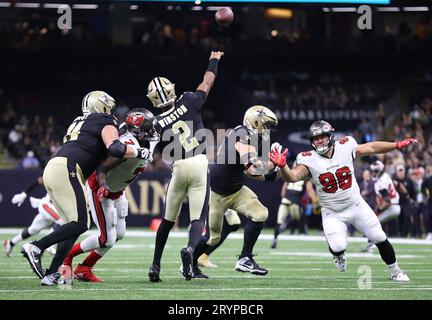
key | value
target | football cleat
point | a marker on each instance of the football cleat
(204, 261)
(186, 255)
(197, 274)
(154, 273)
(248, 264)
(274, 244)
(85, 273)
(340, 262)
(400, 276)
(7, 244)
(33, 255)
(51, 279)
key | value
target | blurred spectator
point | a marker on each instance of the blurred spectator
(30, 161)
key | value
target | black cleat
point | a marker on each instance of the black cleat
(154, 273)
(197, 274)
(33, 255)
(248, 264)
(274, 244)
(186, 257)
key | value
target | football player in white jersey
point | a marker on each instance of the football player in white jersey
(386, 196)
(331, 166)
(105, 190)
(46, 218)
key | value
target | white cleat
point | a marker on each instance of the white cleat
(400, 276)
(340, 262)
(8, 247)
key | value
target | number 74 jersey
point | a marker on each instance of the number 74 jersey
(334, 177)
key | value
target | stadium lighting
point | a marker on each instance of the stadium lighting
(350, 9)
(133, 7)
(85, 6)
(388, 9)
(27, 5)
(197, 8)
(54, 5)
(5, 4)
(326, 9)
(413, 9)
(214, 8)
(278, 13)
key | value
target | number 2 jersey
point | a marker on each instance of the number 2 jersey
(83, 142)
(334, 177)
(178, 127)
(118, 178)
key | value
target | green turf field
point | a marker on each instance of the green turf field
(298, 269)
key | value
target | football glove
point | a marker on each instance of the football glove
(19, 198)
(277, 146)
(405, 143)
(145, 154)
(279, 159)
(102, 192)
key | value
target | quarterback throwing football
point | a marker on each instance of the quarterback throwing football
(331, 166)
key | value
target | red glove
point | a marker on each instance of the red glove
(405, 143)
(279, 159)
(102, 192)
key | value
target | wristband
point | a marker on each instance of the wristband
(213, 65)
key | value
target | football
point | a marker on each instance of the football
(224, 16)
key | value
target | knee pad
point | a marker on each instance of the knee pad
(377, 236)
(338, 247)
(260, 215)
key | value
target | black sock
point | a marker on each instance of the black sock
(65, 232)
(201, 247)
(226, 230)
(195, 233)
(25, 234)
(161, 239)
(337, 254)
(387, 252)
(63, 249)
(277, 230)
(252, 231)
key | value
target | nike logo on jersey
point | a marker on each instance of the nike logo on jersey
(173, 116)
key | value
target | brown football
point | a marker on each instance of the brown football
(224, 16)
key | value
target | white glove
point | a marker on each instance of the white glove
(35, 202)
(277, 146)
(145, 154)
(19, 198)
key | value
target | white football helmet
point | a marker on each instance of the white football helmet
(376, 169)
(98, 102)
(260, 120)
(161, 92)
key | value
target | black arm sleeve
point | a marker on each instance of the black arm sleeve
(31, 186)
(117, 149)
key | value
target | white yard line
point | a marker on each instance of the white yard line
(194, 290)
(239, 236)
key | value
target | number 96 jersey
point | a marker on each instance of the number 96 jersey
(334, 177)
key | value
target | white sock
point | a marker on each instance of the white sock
(394, 267)
(16, 239)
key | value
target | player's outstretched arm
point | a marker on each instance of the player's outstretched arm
(377, 147)
(210, 74)
(19, 198)
(119, 150)
(255, 167)
(299, 172)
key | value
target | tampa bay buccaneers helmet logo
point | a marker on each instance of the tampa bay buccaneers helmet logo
(140, 122)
